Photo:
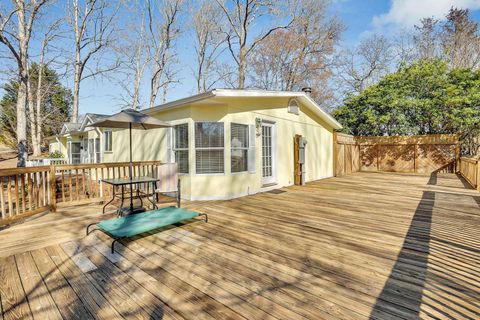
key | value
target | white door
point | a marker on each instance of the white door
(268, 153)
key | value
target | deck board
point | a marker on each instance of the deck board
(364, 246)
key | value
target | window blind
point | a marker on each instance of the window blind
(209, 147)
(180, 147)
(239, 147)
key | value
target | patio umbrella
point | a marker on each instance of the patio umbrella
(130, 119)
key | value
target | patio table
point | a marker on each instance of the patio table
(122, 182)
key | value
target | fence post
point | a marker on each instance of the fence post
(53, 189)
(478, 174)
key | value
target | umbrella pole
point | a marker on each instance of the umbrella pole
(131, 186)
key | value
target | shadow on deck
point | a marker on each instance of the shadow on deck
(426, 269)
(365, 246)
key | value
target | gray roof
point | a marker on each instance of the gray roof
(96, 116)
(72, 126)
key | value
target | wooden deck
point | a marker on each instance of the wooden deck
(369, 245)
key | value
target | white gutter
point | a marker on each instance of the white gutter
(179, 102)
(306, 99)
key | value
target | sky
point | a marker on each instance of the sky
(361, 17)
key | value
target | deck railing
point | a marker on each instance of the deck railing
(31, 190)
(46, 162)
(470, 170)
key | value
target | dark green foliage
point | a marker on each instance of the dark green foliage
(423, 98)
(55, 107)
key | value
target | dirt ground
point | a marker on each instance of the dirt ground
(8, 160)
(8, 157)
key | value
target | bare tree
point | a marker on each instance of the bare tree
(42, 88)
(16, 27)
(93, 26)
(426, 39)
(241, 16)
(208, 45)
(461, 39)
(364, 65)
(301, 55)
(135, 55)
(163, 28)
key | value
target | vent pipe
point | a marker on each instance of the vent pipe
(307, 90)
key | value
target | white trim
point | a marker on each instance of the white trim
(180, 102)
(210, 148)
(302, 96)
(247, 148)
(104, 140)
(172, 141)
(273, 177)
(82, 126)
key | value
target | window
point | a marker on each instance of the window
(239, 145)
(74, 152)
(84, 152)
(180, 147)
(107, 137)
(209, 144)
(91, 151)
(97, 150)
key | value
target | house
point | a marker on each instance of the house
(231, 143)
(80, 143)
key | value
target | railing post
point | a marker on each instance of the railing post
(478, 174)
(335, 155)
(53, 189)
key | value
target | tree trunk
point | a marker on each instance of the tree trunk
(153, 91)
(31, 117)
(38, 118)
(22, 122)
(241, 68)
(76, 92)
(22, 89)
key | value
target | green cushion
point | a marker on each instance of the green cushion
(146, 221)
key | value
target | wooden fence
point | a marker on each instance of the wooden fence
(416, 154)
(28, 191)
(347, 154)
(469, 168)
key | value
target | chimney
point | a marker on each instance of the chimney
(307, 90)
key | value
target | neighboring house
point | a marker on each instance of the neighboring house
(231, 143)
(80, 143)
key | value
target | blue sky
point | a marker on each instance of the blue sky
(360, 17)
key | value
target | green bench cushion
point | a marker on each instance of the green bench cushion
(146, 221)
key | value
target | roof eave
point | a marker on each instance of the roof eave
(180, 102)
(248, 93)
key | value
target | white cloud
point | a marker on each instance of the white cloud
(407, 13)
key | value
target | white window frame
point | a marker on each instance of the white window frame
(270, 180)
(97, 155)
(91, 150)
(209, 148)
(70, 157)
(174, 149)
(247, 148)
(105, 140)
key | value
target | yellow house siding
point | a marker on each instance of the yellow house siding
(156, 144)
(319, 150)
